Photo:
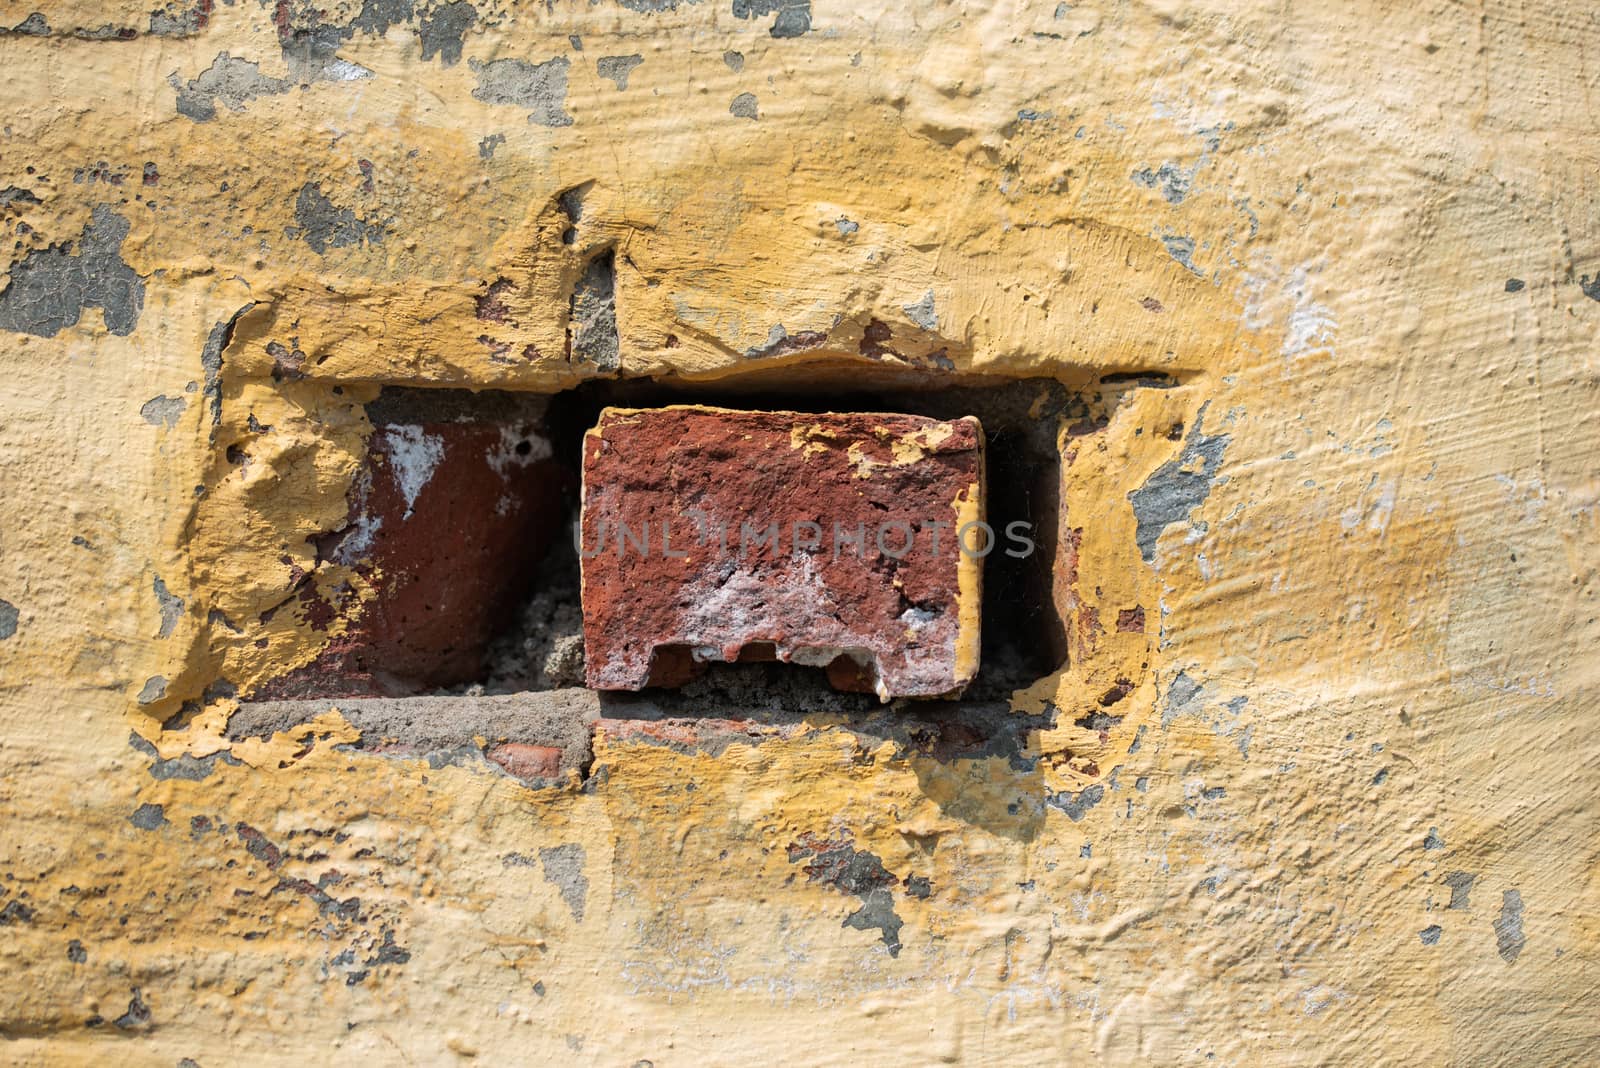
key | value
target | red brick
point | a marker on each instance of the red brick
(448, 521)
(528, 761)
(901, 619)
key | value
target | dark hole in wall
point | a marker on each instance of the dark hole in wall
(538, 645)
(1022, 636)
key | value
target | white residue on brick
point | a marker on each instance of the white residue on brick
(358, 542)
(413, 456)
(752, 604)
(358, 538)
(505, 456)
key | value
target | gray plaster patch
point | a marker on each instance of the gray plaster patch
(8, 619)
(539, 87)
(922, 312)
(16, 912)
(378, 15)
(1182, 250)
(1076, 806)
(323, 226)
(592, 317)
(856, 872)
(467, 755)
(32, 26)
(1433, 841)
(211, 362)
(780, 341)
(1183, 693)
(744, 106)
(846, 226)
(1236, 706)
(15, 194)
(1508, 935)
(556, 718)
(148, 817)
(571, 201)
(138, 1015)
(1177, 487)
(794, 16)
(171, 607)
(154, 689)
(766, 704)
(1460, 884)
(106, 31)
(443, 29)
(1430, 935)
(650, 7)
(487, 146)
(734, 60)
(179, 19)
(235, 82)
(163, 410)
(50, 288)
(310, 52)
(1172, 180)
(139, 745)
(617, 68)
(877, 913)
(189, 768)
(563, 867)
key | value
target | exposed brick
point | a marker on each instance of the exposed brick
(527, 761)
(448, 520)
(681, 567)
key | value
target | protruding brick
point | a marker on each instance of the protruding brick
(864, 576)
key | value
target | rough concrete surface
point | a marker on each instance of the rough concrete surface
(1327, 276)
(559, 719)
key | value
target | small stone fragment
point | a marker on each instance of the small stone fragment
(528, 761)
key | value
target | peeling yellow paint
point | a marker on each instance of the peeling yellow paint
(920, 444)
(1361, 663)
(969, 509)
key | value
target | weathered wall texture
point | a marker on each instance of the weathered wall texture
(1345, 811)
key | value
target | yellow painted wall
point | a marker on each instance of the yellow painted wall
(1368, 680)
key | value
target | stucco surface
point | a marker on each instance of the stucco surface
(1345, 812)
